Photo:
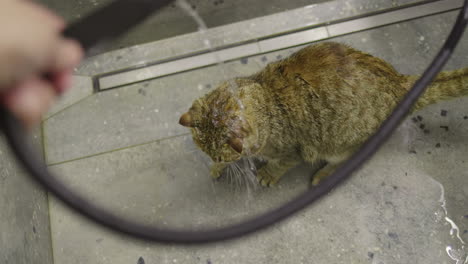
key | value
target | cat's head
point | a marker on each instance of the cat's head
(221, 126)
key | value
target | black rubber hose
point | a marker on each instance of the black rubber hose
(17, 140)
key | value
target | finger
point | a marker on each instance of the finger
(62, 81)
(29, 100)
(44, 14)
(29, 45)
(67, 55)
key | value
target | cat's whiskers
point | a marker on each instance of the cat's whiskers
(229, 174)
(237, 175)
(241, 174)
(251, 177)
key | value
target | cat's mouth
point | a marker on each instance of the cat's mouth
(226, 160)
(245, 166)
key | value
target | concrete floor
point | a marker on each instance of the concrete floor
(25, 235)
(124, 149)
(172, 21)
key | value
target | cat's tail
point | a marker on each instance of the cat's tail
(447, 85)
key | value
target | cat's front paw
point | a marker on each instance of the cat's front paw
(266, 178)
(319, 176)
(316, 180)
(217, 170)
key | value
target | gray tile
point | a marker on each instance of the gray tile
(195, 61)
(408, 46)
(147, 181)
(235, 32)
(176, 66)
(441, 148)
(387, 18)
(24, 218)
(384, 213)
(131, 115)
(147, 111)
(215, 14)
(388, 212)
(82, 86)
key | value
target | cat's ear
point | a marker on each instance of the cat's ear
(237, 144)
(186, 120)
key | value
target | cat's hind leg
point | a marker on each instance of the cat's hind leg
(333, 163)
(270, 174)
(310, 155)
(324, 172)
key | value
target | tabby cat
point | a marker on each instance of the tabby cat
(321, 103)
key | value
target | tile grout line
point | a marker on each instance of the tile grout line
(117, 149)
(67, 107)
(50, 227)
(47, 194)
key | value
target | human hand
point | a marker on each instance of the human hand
(31, 45)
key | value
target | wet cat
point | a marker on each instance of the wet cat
(321, 103)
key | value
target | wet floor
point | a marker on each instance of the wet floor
(124, 149)
(172, 21)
